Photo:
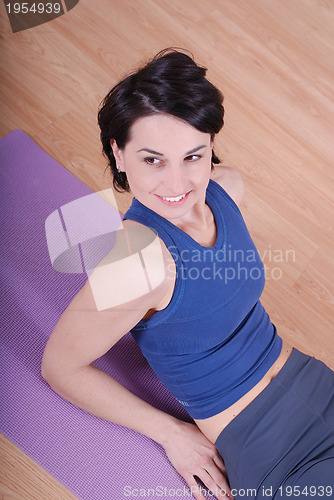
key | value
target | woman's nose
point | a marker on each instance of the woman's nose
(175, 180)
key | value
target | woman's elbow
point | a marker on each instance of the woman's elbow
(52, 370)
(47, 368)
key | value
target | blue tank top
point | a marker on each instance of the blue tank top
(214, 341)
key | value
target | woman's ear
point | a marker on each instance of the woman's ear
(118, 155)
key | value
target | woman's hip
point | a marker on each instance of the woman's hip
(288, 426)
(213, 426)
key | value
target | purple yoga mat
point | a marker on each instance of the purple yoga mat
(93, 458)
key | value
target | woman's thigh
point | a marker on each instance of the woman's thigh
(313, 480)
(285, 435)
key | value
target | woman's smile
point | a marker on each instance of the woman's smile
(174, 200)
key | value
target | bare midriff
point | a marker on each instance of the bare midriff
(213, 426)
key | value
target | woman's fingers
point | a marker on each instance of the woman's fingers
(193, 455)
(195, 490)
(216, 475)
(216, 483)
(220, 463)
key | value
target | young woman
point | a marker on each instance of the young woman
(259, 404)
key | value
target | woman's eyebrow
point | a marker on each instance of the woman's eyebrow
(192, 151)
(151, 151)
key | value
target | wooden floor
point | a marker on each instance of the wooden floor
(273, 61)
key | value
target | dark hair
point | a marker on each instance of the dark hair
(171, 83)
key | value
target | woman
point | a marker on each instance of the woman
(260, 405)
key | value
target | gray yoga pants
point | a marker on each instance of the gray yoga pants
(282, 444)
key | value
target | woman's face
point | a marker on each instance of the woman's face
(167, 163)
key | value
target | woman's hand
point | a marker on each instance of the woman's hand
(192, 454)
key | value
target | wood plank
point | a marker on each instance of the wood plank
(274, 64)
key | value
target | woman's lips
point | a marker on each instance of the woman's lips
(174, 201)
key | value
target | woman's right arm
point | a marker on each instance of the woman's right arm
(82, 335)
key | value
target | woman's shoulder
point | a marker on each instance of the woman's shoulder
(230, 180)
(134, 269)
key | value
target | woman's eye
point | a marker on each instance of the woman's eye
(193, 157)
(152, 161)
